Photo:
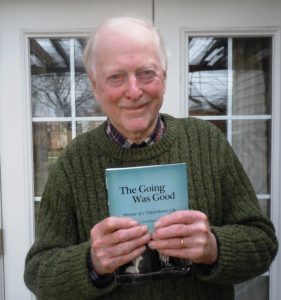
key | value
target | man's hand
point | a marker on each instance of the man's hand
(185, 234)
(115, 242)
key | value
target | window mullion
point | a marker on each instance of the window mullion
(229, 88)
(72, 87)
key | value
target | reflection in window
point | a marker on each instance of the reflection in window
(207, 76)
(86, 105)
(208, 93)
(256, 288)
(50, 77)
(252, 76)
(55, 63)
(220, 124)
(229, 84)
(265, 206)
(49, 139)
(84, 126)
(224, 69)
(63, 105)
(251, 143)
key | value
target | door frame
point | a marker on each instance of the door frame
(275, 271)
(2, 288)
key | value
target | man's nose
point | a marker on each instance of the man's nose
(134, 90)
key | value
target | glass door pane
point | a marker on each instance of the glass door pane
(256, 289)
(49, 139)
(207, 79)
(86, 105)
(251, 142)
(50, 77)
(252, 71)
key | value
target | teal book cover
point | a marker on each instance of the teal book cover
(148, 192)
(145, 194)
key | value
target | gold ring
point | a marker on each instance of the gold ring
(182, 243)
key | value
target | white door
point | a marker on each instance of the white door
(19, 21)
(224, 67)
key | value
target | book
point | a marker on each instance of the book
(146, 193)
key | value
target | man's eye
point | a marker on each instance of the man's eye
(116, 79)
(147, 76)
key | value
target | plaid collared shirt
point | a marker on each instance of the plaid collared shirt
(117, 138)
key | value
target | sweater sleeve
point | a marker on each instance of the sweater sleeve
(56, 265)
(246, 239)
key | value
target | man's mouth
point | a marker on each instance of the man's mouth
(135, 107)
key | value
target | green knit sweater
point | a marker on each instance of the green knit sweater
(75, 199)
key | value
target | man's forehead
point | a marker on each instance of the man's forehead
(109, 64)
(124, 45)
(123, 36)
(118, 46)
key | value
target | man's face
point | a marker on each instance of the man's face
(129, 82)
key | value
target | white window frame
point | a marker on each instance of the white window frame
(275, 191)
(30, 119)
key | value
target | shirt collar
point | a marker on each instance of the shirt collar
(116, 137)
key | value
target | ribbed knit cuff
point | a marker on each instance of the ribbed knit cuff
(79, 266)
(233, 264)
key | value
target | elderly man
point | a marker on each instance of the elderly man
(80, 249)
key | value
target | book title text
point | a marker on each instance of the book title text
(147, 193)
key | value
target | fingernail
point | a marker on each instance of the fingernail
(133, 222)
(157, 224)
(144, 228)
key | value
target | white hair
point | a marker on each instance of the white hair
(114, 23)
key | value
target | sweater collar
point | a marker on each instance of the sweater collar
(116, 137)
(114, 150)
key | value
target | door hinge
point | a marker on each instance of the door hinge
(1, 242)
